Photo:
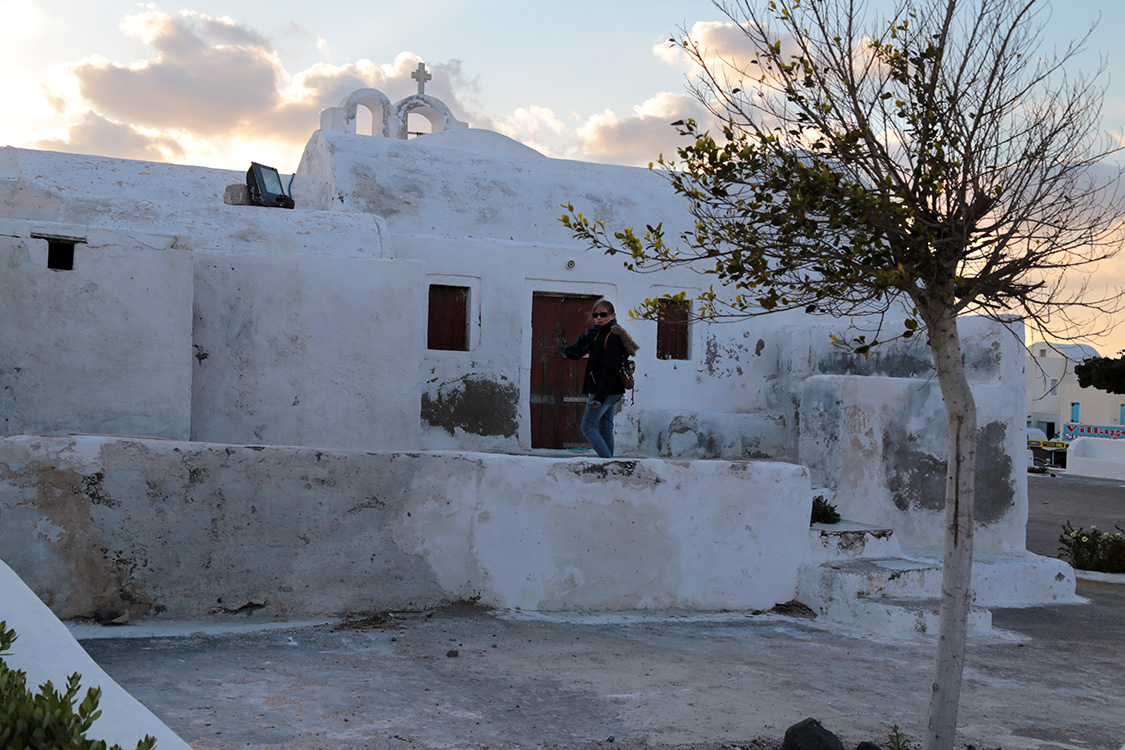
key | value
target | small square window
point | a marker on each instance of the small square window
(672, 329)
(60, 255)
(448, 322)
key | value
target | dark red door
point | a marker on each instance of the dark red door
(557, 401)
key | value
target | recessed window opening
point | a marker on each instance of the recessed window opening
(60, 255)
(448, 324)
(60, 250)
(672, 329)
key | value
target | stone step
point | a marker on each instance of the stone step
(886, 577)
(891, 595)
(849, 540)
(902, 616)
(901, 594)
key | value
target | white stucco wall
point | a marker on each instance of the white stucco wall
(184, 529)
(102, 348)
(731, 369)
(307, 350)
(879, 443)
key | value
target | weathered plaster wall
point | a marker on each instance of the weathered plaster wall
(473, 184)
(102, 348)
(185, 529)
(711, 434)
(69, 176)
(478, 399)
(307, 350)
(880, 444)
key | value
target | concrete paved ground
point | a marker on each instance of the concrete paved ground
(466, 678)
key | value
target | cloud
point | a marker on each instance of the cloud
(214, 85)
(537, 127)
(717, 40)
(214, 91)
(22, 21)
(210, 75)
(641, 137)
(95, 134)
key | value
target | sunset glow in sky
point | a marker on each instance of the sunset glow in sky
(217, 83)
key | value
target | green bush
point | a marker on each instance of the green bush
(46, 720)
(823, 511)
(1093, 550)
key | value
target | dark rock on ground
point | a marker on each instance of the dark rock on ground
(809, 734)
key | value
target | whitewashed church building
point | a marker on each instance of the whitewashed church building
(208, 406)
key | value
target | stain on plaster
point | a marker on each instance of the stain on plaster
(473, 404)
(370, 196)
(983, 361)
(995, 495)
(68, 538)
(711, 355)
(632, 473)
(916, 475)
(900, 361)
(93, 489)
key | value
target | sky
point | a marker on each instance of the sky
(220, 83)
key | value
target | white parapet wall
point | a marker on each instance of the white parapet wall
(1096, 457)
(187, 529)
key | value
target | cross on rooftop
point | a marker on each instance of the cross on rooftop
(421, 76)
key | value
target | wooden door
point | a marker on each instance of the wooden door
(557, 401)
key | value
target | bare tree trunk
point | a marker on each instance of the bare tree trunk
(961, 413)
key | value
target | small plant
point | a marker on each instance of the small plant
(46, 720)
(896, 740)
(1093, 550)
(823, 511)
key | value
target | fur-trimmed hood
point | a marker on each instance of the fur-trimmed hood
(631, 346)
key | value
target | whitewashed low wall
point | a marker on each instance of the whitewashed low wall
(1096, 457)
(185, 529)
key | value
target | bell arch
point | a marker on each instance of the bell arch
(434, 110)
(374, 101)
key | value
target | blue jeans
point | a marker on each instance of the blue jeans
(597, 424)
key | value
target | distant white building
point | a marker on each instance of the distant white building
(1054, 397)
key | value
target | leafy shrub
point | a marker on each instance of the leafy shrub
(46, 720)
(1093, 550)
(823, 511)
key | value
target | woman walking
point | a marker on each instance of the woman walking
(607, 345)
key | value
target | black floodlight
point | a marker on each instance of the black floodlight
(265, 187)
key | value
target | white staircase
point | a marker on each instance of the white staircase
(858, 575)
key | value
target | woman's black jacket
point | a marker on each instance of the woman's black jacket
(606, 352)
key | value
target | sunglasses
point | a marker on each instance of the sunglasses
(602, 314)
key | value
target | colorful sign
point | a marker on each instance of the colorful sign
(1051, 445)
(1072, 430)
